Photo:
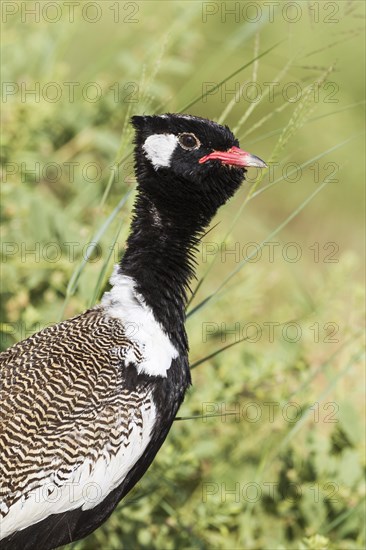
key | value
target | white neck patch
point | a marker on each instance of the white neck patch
(159, 149)
(142, 329)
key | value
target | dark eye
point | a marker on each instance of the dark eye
(188, 141)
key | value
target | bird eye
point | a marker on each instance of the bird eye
(188, 141)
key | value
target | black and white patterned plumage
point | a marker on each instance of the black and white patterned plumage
(87, 403)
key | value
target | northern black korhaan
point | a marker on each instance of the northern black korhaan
(87, 403)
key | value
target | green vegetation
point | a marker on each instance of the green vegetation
(269, 450)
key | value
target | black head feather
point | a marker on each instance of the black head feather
(186, 185)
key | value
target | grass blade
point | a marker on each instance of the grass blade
(226, 79)
(73, 282)
(269, 237)
(105, 265)
(303, 165)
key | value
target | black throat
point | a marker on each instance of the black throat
(160, 258)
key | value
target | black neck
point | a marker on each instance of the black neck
(159, 257)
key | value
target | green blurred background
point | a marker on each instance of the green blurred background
(286, 470)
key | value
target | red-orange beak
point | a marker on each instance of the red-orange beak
(234, 157)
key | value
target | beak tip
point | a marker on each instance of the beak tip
(257, 162)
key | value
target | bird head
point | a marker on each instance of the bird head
(188, 162)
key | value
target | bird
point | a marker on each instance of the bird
(87, 403)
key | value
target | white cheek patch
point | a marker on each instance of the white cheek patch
(159, 149)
